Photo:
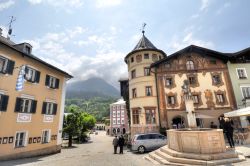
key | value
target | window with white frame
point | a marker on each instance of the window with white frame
(49, 108)
(245, 92)
(30, 74)
(150, 116)
(242, 74)
(122, 121)
(220, 98)
(118, 121)
(122, 107)
(52, 82)
(114, 107)
(190, 65)
(6, 65)
(122, 113)
(146, 71)
(45, 136)
(114, 121)
(114, 113)
(3, 64)
(118, 113)
(148, 91)
(196, 99)
(20, 139)
(26, 105)
(171, 100)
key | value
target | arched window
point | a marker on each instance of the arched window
(190, 65)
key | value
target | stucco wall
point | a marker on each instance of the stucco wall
(8, 120)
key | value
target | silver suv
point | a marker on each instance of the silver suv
(147, 142)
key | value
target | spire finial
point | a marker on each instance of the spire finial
(143, 28)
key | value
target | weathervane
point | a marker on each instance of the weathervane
(143, 28)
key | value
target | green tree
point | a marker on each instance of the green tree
(77, 123)
(72, 124)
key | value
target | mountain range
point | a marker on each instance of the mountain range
(93, 87)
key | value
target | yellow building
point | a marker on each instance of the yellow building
(30, 119)
(142, 87)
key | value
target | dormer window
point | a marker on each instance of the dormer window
(190, 65)
(27, 49)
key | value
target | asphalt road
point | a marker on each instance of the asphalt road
(99, 152)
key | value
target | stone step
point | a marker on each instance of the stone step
(163, 161)
(180, 160)
(232, 160)
(151, 160)
(166, 159)
(228, 154)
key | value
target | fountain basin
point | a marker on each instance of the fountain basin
(199, 141)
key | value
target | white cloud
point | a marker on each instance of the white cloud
(177, 43)
(35, 1)
(4, 30)
(204, 5)
(6, 4)
(107, 3)
(108, 64)
(224, 7)
(67, 5)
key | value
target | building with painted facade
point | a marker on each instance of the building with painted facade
(30, 119)
(208, 77)
(118, 118)
(219, 82)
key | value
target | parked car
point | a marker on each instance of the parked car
(147, 142)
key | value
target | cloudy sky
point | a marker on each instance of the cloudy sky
(91, 37)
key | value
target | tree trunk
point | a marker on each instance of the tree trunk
(70, 141)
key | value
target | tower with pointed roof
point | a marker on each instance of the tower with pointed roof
(144, 116)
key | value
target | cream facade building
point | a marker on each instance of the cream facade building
(30, 119)
(142, 87)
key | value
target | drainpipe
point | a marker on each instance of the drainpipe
(157, 95)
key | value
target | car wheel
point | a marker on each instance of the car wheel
(141, 149)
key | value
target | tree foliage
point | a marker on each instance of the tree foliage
(77, 122)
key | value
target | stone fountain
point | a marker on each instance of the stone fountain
(192, 145)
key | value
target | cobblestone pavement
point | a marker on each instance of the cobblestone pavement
(99, 152)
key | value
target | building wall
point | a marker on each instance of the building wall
(237, 83)
(204, 88)
(139, 83)
(8, 120)
(114, 108)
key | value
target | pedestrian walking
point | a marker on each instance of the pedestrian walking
(228, 129)
(115, 144)
(121, 143)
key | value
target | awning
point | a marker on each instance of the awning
(239, 112)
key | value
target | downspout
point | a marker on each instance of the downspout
(157, 95)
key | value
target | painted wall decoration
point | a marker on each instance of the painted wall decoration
(5, 140)
(23, 117)
(48, 118)
(11, 140)
(34, 139)
(30, 140)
